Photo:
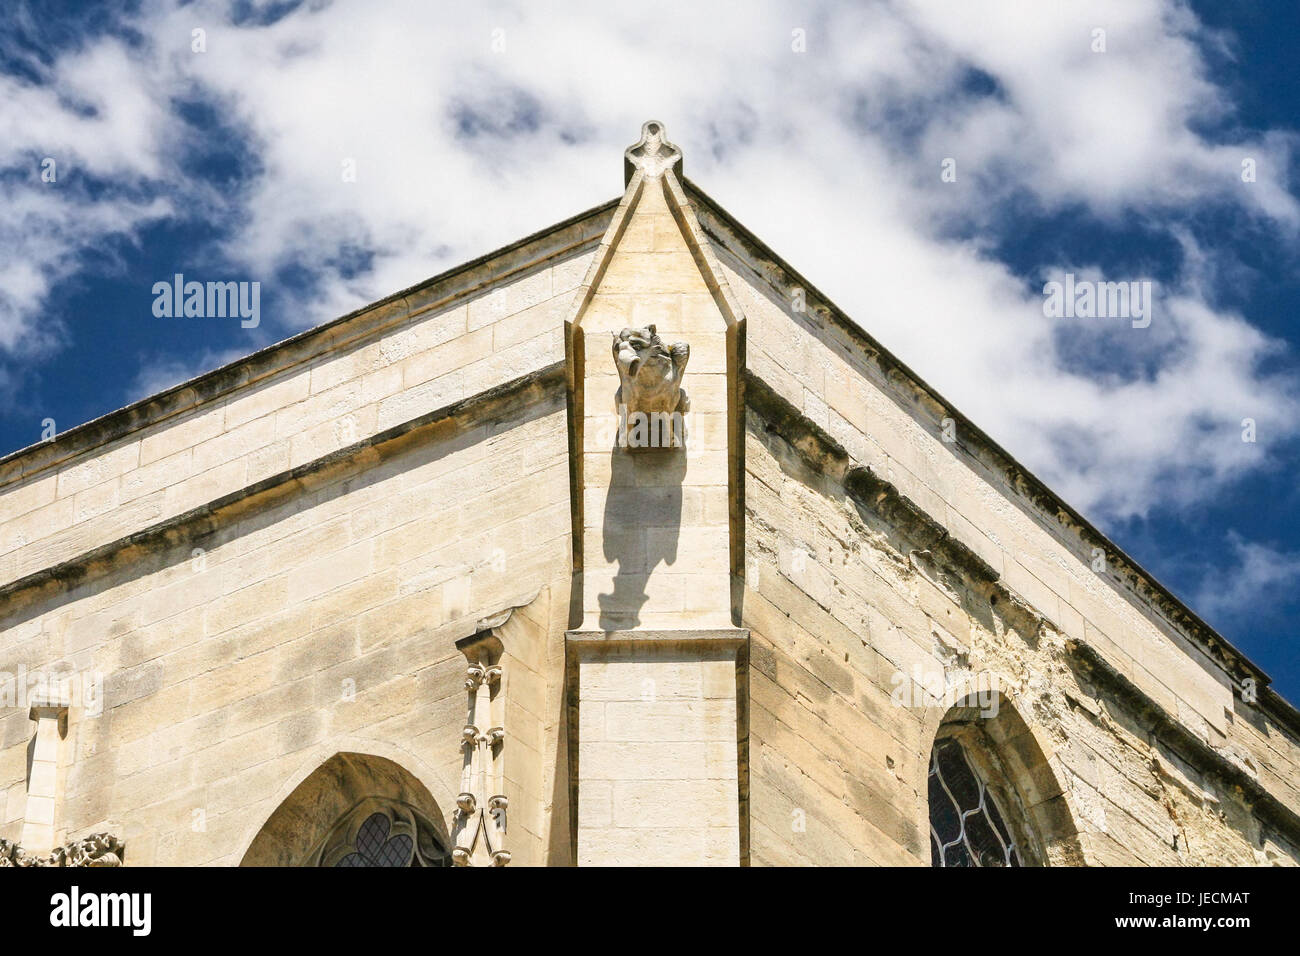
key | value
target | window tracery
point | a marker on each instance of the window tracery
(383, 833)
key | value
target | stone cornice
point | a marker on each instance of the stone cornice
(512, 397)
(726, 637)
(1182, 741)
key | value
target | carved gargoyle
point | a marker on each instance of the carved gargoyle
(650, 373)
(650, 376)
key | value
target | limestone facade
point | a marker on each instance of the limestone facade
(392, 590)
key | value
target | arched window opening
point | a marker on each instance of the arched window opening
(976, 818)
(354, 810)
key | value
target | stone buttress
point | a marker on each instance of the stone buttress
(655, 661)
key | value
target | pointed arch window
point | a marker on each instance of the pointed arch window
(975, 816)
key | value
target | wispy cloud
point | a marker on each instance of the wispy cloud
(1252, 580)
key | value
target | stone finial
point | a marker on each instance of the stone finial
(651, 154)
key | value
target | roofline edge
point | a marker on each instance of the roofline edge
(20, 464)
(1192, 626)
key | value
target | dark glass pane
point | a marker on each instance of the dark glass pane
(991, 810)
(957, 776)
(374, 847)
(998, 824)
(984, 843)
(956, 855)
(371, 836)
(396, 852)
(945, 821)
(966, 827)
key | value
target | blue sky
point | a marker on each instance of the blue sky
(823, 127)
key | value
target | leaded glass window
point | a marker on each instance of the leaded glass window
(374, 848)
(383, 833)
(967, 827)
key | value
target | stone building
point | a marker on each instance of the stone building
(620, 545)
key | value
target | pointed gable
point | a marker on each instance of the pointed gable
(654, 535)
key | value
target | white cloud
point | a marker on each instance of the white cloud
(95, 114)
(832, 156)
(1251, 578)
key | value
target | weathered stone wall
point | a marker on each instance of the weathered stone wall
(274, 566)
(228, 638)
(877, 554)
(325, 623)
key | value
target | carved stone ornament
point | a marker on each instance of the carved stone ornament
(650, 398)
(651, 154)
(98, 849)
(479, 823)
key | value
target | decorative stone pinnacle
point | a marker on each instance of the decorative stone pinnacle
(651, 154)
